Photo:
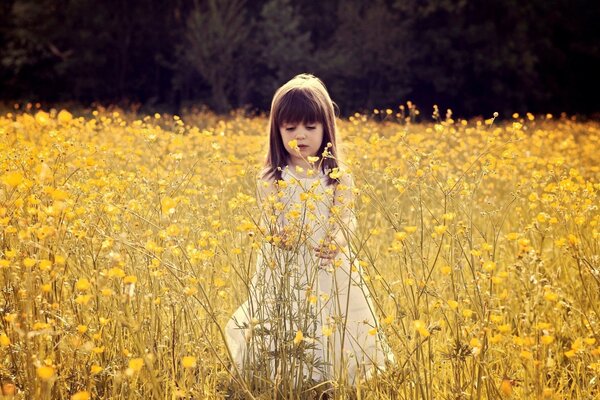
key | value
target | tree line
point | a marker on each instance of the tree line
(472, 56)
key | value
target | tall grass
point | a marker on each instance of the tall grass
(127, 242)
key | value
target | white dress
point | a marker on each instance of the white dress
(305, 318)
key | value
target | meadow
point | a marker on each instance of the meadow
(126, 242)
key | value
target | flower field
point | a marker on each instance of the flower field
(126, 242)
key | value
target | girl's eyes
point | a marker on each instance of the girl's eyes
(292, 128)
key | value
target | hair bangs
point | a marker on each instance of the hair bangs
(299, 106)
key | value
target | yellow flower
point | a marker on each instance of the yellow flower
(136, 364)
(335, 173)
(506, 387)
(440, 229)
(421, 328)
(83, 299)
(4, 340)
(299, 337)
(12, 179)
(82, 284)
(168, 205)
(474, 342)
(446, 270)
(571, 353)
(188, 362)
(550, 296)
(95, 369)
(293, 144)
(45, 372)
(45, 265)
(29, 262)
(512, 236)
(410, 229)
(400, 236)
(83, 395)
(453, 304)
(326, 331)
(116, 273)
(64, 116)
(547, 339)
(448, 216)
(497, 338)
(526, 355)
(495, 318)
(489, 266)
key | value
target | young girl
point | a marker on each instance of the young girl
(309, 316)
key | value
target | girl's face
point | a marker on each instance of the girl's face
(308, 136)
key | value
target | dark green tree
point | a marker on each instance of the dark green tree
(284, 49)
(367, 59)
(216, 34)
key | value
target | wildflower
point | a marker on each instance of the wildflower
(421, 328)
(45, 372)
(506, 386)
(29, 262)
(116, 273)
(188, 362)
(547, 339)
(526, 355)
(12, 179)
(83, 395)
(64, 116)
(489, 266)
(550, 296)
(168, 205)
(299, 337)
(4, 340)
(440, 229)
(135, 365)
(45, 265)
(95, 369)
(82, 284)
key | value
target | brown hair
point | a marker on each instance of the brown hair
(303, 99)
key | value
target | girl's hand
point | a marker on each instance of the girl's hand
(282, 240)
(327, 251)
